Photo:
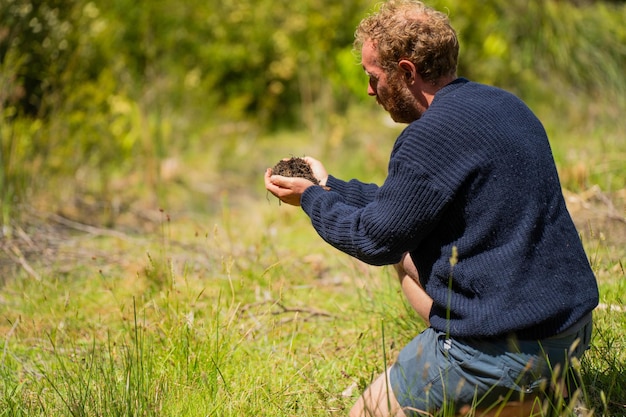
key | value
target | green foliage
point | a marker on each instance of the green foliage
(43, 35)
(275, 60)
(559, 48)
(92, 90)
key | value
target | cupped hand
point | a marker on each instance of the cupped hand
(289, 190)
(318, 169)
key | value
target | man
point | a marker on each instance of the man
(472, 215)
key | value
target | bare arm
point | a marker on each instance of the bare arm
(413, 291)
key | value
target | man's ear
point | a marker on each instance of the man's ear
(408, 70)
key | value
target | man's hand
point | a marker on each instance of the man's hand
(318, 169)
(288, 189)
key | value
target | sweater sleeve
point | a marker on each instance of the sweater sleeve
(354, 192)
(400, 214)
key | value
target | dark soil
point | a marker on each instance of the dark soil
(294, 167)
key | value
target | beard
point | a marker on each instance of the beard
(398, 101)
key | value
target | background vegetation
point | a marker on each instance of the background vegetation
(145, 271)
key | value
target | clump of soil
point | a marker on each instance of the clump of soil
(294, 167)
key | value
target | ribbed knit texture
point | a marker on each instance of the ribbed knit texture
(475, 173)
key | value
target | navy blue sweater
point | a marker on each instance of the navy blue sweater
(473, 194)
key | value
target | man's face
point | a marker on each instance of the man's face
(391, 92)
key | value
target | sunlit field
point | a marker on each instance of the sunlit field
(144, 269)
(220, 301)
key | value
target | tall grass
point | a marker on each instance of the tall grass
(225, 303)
(250, 316)
(182, 289)
(211, 342)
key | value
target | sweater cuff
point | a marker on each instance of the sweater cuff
(335, 184)
(310, 195)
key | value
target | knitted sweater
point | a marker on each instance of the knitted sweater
(473, 194)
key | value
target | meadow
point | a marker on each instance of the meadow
(145, 271)
(222, 302)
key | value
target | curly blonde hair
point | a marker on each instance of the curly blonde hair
(408, 29)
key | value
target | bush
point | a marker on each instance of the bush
(92, 89)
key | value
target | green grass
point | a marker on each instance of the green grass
(248, 328)
(211, 299)
(196, 294)
(257, 317)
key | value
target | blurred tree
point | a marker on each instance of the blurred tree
(42, 31)
(105, 85)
